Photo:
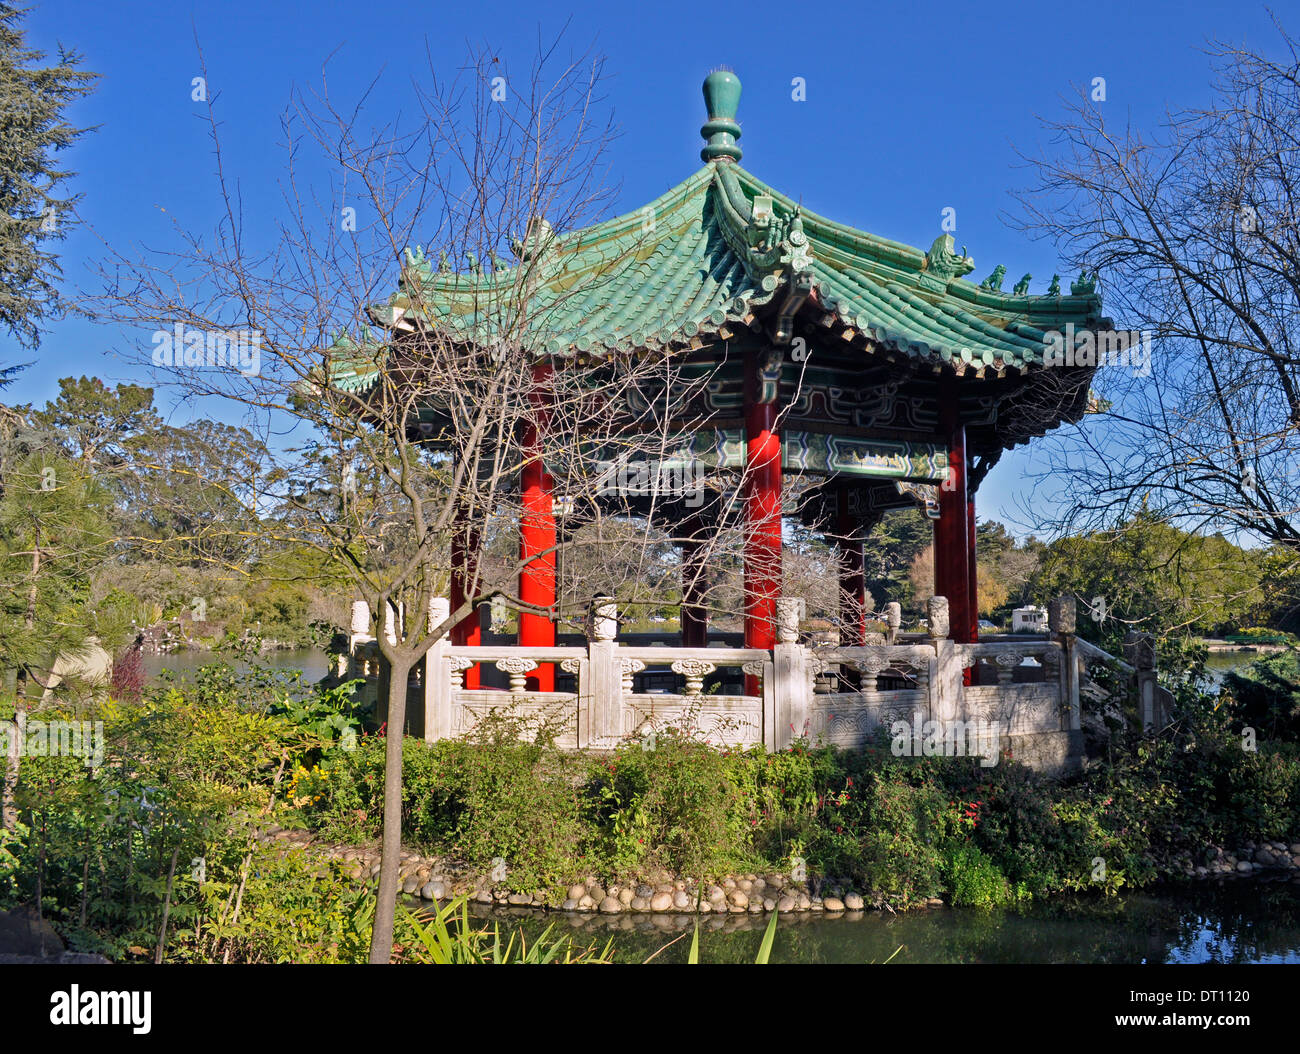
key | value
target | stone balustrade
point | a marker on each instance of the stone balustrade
(1019, 695)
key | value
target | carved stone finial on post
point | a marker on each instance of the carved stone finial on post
(893, 619)
(360, 618)
(787, 620)
(390, 622)
(1140, 650)
(439, 610)
(602, 619)
(1061, 615)
(938, 618)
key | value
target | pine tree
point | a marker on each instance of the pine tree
(33, 211)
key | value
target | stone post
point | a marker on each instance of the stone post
(1061, 620)
(790, 680)
(437, 676)
(359, 631)
(600, 691)
(893, 619)
(947, 700)
(1140, 652)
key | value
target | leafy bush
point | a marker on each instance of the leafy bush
(973, 879)
(1268, 695)
(678, 805)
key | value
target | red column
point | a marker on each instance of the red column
(853, 581)
(694, 615)
(464, 572)
(762, 521)
(537, 533)
(971, 569)
(952, 531)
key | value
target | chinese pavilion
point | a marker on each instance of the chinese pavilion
(876, 368)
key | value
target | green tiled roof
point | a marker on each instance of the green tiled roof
(719, 252)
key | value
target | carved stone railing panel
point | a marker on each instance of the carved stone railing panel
(1019, 709)
(849, 719)
(1006, 662)
(734, 720)
(874, 661)
(556, 710)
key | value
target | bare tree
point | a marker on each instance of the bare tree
(1195, 233)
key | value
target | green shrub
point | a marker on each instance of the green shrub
(681, 805)
(973, 879)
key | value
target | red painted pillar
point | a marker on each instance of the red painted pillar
(971, 568)
(537, 534)
(468, 632)
(853, 581)
(694, 615)
(952, 532)
(762, 520)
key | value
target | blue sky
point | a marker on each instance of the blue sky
(910, 108)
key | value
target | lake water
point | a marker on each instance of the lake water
(1221, 662)
(1237, 921)
(313, 662)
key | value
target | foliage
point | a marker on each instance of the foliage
(445, 935)
(1151, 576)
(33, 130)
(1267, 693)
(902, 829)
(329, 714)
(673, 802)
(192, 772)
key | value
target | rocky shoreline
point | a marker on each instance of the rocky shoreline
(660, 893)
(1251, 859)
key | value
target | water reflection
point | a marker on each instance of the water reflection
(1231, 922)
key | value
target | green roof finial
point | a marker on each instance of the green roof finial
(722, 98)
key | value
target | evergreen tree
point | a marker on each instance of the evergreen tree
(33, 211)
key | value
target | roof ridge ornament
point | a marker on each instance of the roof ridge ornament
(993, 283)
(1085, 285)
(722, 100)
(944, 264)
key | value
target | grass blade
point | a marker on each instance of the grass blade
(765, 949)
